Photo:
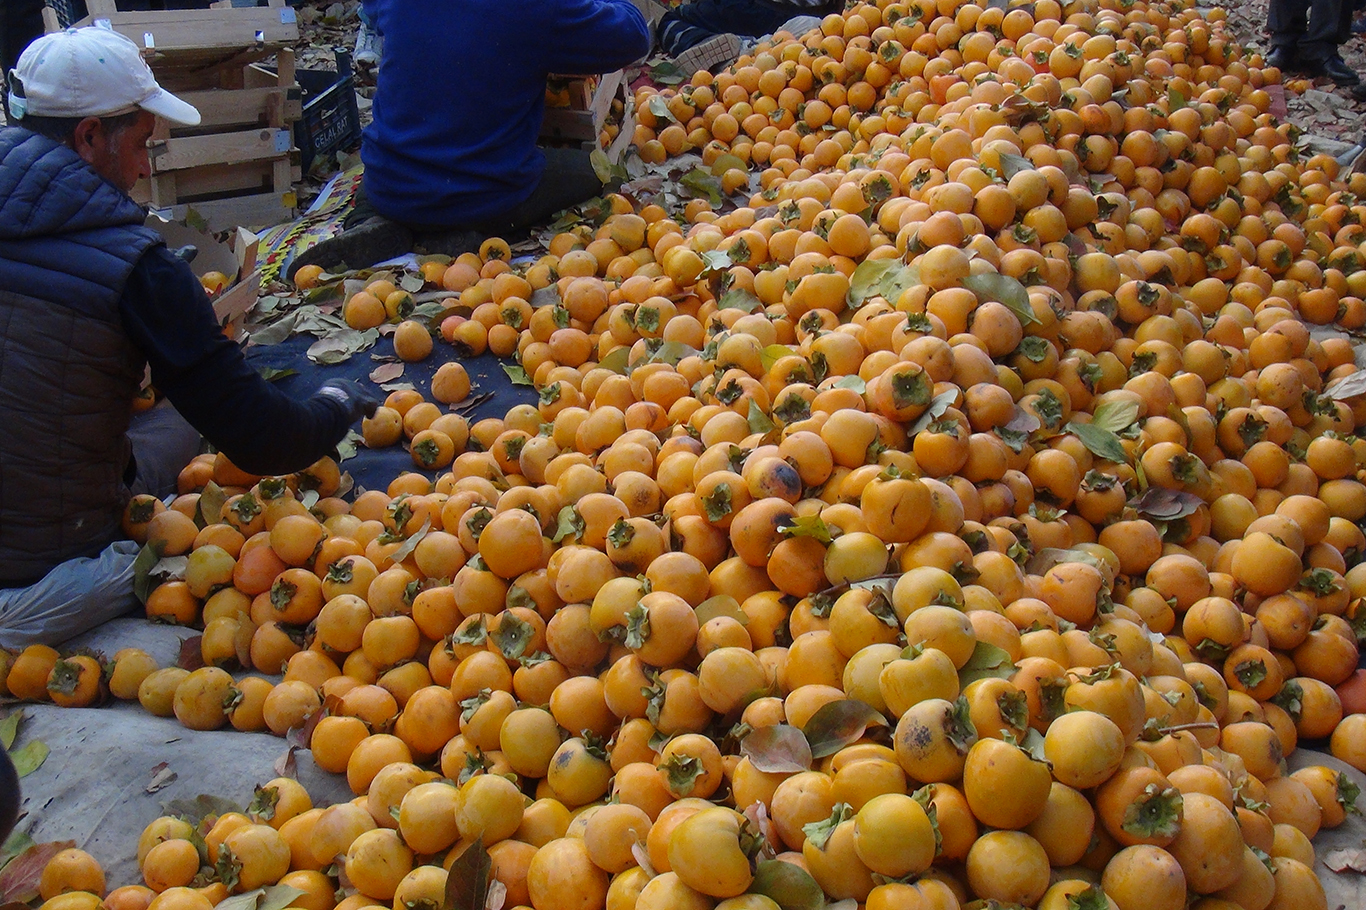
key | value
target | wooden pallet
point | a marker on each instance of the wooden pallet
(590, 103)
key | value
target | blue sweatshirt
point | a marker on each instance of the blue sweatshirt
(461, 92)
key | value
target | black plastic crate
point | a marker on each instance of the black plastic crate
(331, 119)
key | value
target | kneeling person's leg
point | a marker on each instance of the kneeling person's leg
(163, 444)
(568, 180)
(74, 597)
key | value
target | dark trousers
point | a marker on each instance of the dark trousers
(692, 23)
(568, 180)
(1329, 24)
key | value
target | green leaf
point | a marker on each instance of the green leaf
(1013, 164)
(772, 353)
(568, 524)
(863, 284)
(809, 526)
(273, 897)
(516, 373)
(727, 162)
(701, 184)
(759, 422)
(852, 381)
(349, 445)
(1003, 289)
(1102, 442)
(987, 661)
(777, 749)
(666, 72)
(938, 405)
(839, 723)
(604, 169)
(739, 299)
(147, 557)
(408, 546)
(29, 757)
(1116, 415)
(1161, 504)
(1175, 100)
(671, 352)
(9, 728)
(271, 374)
(659, 106)
(720, 605)
(897, 281)
(617, 360)
(467, 883)
(788, 885)
(15, 844)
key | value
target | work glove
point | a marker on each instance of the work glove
(351, 395)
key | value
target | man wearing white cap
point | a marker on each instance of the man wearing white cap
(88, 298)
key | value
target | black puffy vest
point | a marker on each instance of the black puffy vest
(68, 371)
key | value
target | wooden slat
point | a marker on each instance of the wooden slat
(191, 29)
(220, 108)
(258, 211)
(216, 180)
(224, 148)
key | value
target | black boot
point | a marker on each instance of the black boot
(356, 248)
(1335, 68)
(1282, 58)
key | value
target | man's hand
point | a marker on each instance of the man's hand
(352, 396)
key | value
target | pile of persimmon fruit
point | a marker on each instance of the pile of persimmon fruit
(967, 517)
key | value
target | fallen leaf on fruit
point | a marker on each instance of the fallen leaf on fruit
(1005, 290)
(1100, 441)
(467, 883)
(986, 661)
(788, 885)
(739, 299)
(720, 605)
(209, 509)
(29, 757)
(1115, 416)
(386, 372)
(777, 749)
(838, 724)
(408, 546)
(19, 879)
(938, 405)
(1162, 504)
(1348, 387)
(274, 897)
(196, 810)
(142, 570)
(348, 446)
(162, 777)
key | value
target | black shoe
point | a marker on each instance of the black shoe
(356, 248)
(1282, 58)
(1358, 91)
(448, 243)
(1335, 68)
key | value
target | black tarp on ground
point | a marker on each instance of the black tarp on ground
(375, 468)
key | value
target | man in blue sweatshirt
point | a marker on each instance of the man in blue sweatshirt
(451, 155)
(88, 298)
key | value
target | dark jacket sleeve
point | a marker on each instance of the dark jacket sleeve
(207, 378)
(593, 36)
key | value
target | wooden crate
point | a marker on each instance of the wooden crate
(238, 166)
(590, 101)
(185, 46)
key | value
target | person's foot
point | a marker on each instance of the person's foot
(1335, 68)
(369, 47)
(448, 243)
(1282, 58)
(1358, 91)
(716, 51)
(356, 248)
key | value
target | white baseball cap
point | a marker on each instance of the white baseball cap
(89, 72)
